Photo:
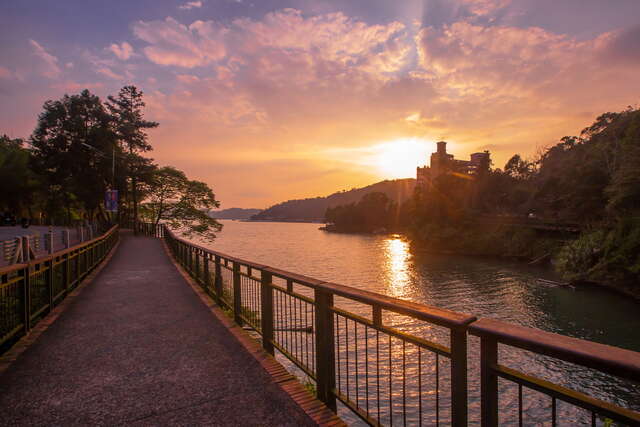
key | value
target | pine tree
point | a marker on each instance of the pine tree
(127, 110)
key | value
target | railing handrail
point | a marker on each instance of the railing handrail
(606, 358)
(439, 316)
(9, 268)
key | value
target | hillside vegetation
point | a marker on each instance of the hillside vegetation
(234, 213)
(313, 209)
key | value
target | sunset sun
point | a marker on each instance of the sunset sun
(399, 158)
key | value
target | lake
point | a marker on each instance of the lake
(510, 291)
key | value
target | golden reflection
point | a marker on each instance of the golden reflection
(396, 253)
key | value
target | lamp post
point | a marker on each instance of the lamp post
(113, 164)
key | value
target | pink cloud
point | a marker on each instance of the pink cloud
(122, 51)
(172, 43)
(5, 73)
(486, 7)
(499, 61)
(190, 5)
(50, 67)
(333, 38)
(107, 72)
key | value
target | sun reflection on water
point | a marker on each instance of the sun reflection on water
(396, 266)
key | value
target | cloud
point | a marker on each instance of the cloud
(485, 7)
(107, 72)
(172, 43)
(623, 46)
(5, 73)
(122, 51)
(50, 63)
(190, 5)
(496, 61)
(280, 36)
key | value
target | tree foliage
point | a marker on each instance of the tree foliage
(18, 182)
(78, 143)
(375, 211)
(182, 203)
(69, 142)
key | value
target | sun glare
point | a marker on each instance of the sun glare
(399, 158)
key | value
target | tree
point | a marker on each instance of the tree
(373, 212)
(18, 182)
(181, 203)
(68, 145)
(130, 126)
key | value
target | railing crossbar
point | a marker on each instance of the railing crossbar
(568, 395)
(420, 342)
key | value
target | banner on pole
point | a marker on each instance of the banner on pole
(111, 201)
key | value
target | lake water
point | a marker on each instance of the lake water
(510, 291)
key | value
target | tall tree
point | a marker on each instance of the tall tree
(68, 145)
(130, 126)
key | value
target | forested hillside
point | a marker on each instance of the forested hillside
(234, 213)
(314, 209)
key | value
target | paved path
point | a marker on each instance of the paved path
(138, 347)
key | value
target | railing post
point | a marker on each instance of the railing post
(458, 377)
(26, 299)
(266, 315)
(196, 252)
(26, 249)
(488, 382)
(207, 277)
(325, 349)
(67, 272)
(65, 239)
(217, 280)
(237, 294)
(50, 242)
(50, 283)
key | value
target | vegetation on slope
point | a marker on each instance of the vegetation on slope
(313, 209)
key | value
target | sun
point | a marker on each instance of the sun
(399, 158)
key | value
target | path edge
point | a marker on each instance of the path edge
(23, 344)
(317, 411)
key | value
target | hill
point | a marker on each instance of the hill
(234, 213)
(313, 209)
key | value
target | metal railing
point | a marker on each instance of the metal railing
(383, 374)
(28, 291)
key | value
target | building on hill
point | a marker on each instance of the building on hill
(442, 163)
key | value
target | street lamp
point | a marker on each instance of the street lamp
(113, 161)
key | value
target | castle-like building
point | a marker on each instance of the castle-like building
(442, 163)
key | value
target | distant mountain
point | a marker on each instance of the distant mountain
(234, 213)
(313, 209)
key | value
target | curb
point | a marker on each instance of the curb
(317, 411)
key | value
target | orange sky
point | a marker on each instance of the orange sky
(297, 100)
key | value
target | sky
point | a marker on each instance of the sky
(270, 100)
